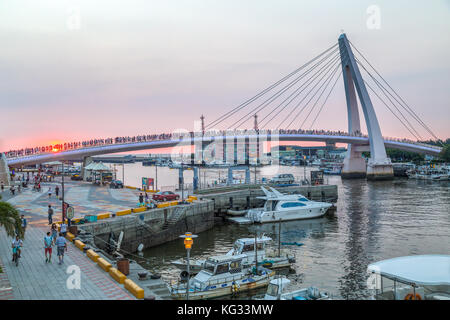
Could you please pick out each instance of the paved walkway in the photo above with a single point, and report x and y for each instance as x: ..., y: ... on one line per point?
x: 36, y: 279
x: 84, y: 197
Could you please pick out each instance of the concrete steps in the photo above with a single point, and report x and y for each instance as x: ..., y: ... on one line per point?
x: 174, y: 218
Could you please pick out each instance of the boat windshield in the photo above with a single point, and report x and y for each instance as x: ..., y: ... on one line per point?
x: 209, y: 267
x: 272, y: 290
x: 270, y: 205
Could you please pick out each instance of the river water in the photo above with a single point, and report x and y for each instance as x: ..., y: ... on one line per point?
x: 373, y: 221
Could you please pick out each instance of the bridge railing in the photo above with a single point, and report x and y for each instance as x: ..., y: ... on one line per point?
x: 14, y: 154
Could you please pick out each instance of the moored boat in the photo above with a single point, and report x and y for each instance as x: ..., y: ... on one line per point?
x: 266, y: 257
x: 277, y: 290
x: 222, y: 276
x: 283, y: 207
x: 419, y: 277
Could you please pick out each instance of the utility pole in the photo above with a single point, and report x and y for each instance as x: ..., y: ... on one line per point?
x: 256, y: 252
x: 123, y: 172
x: 156, y: 176
x: 202, y: 119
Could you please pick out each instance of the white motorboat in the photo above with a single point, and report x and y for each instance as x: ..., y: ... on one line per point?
x: 222, y: 276
x: 420, y: 277
x: 277, y: 290
x: 267, y: 257
x: 283, y: 207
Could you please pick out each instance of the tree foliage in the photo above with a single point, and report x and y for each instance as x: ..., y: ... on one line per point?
x: 445, y: 153
x: 10, y: 219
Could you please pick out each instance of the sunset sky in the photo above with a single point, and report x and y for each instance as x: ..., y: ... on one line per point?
x: 73, y: 70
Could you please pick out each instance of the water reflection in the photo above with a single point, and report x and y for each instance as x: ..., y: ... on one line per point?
x: 373, y: 221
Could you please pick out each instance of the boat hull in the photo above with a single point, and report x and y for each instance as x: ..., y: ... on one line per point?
x: 223, y: 291
x: 288, y: 215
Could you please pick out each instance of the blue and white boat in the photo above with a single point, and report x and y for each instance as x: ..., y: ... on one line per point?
x: 222, y: 276
x: 277, y: 290
x: 267, y: 257
x: 284, y: 207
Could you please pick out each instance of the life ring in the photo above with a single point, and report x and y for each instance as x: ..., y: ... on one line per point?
x: 410, y: 296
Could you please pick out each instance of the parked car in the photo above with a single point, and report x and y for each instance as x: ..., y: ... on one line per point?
x: 165, y: 196
x: 116, y: 184
x: 287, y: 178
x: 76, y: 177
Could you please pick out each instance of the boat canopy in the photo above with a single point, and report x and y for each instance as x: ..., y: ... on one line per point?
x: 431, y: 270
x: 252, y: 240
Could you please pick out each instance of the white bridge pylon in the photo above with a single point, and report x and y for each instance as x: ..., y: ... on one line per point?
x: 379, y: 166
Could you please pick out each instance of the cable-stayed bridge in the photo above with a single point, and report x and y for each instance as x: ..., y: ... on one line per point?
x: 285, y: 111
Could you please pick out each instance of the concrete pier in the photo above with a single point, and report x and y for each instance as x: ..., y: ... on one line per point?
x: 153, y: 227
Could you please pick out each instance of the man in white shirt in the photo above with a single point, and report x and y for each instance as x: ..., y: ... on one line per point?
x: 63, y: 228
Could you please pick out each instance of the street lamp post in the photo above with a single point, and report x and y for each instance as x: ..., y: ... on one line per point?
x: 62, y: 191
x: 188, y: 242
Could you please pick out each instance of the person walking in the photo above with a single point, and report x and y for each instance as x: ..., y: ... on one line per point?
x: 141, y: 199
x: 54, y: 232
x: 64, y: 228
x: 50, y: 214
x: 61, y: 246
x: 57, y: 191
x: 48, y: 242
x: 24, y: 223
x: 49, y: 192
x: 13, y: 190
x: 2, y: 186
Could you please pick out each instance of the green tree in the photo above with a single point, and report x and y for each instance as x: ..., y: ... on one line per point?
x: 445, y: 153
x: 10, y: 219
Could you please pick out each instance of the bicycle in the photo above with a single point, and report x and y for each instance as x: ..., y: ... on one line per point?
x: 16, y: 256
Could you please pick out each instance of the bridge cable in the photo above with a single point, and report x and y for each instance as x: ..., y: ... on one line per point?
x: 297, y: 93
x: 382, y: 89
x: 389, y: 108
x: 326, y: 99
x: 327, y: 81
x: 307, y: 103
x: 404, y: 105
x: 324, y: 89
x: 278, y: 94
x: 300, y: 102
x: 247, y: 102
x: 329, y: 68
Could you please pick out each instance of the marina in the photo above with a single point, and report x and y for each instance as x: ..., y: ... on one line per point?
x: 219, y: 158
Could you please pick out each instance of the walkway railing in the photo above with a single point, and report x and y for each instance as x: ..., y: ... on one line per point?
x: 11, y: 154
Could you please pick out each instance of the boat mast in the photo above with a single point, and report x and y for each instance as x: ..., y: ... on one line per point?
x: 279, y: 238
x: 256, y: 252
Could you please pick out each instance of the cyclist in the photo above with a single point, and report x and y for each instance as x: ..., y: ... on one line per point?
x: 16, y: 246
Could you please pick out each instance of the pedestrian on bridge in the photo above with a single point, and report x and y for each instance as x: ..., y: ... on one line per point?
x: 49, y: 192
x: 57, y: 191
